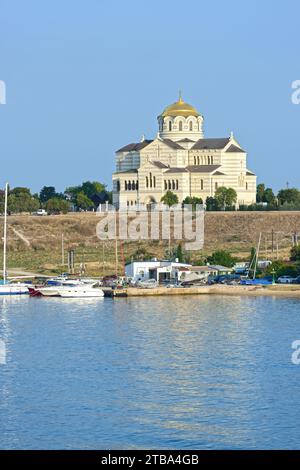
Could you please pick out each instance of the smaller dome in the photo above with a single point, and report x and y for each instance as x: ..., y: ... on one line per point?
x: 180, y: 108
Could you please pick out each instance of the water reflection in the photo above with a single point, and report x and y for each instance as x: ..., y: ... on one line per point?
x: 190, y: 372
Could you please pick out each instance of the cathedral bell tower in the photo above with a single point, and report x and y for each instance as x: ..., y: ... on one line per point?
x: 180, y: 121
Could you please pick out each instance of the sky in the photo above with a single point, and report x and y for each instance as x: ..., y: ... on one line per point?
x: 85, y: 77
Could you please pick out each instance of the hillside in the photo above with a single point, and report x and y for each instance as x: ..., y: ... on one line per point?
x: 35, y: 242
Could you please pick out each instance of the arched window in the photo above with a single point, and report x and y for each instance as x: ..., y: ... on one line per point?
x: 126, y: 187
x: 211, y: 160
x: 150, y: 179
x: 177, y: 185
x: 133, y: 185
x: 137, y: 185
x: 191, y: 126
x: 166, y: 185
x: 246, y: 186
x: 129, y: 185
x: 147, y: 182
x: 201, y: 184
x: 173, y: 184
x: 180, y: 126
x: 169, y: 184
x: 170, y: 126
x: 198, y: 160
x: 154, y: 182
x: 208, y: 158
x: 118, y: 185
x: 195, y: 161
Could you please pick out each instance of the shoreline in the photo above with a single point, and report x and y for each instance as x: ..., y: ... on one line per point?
x: 255, y: 291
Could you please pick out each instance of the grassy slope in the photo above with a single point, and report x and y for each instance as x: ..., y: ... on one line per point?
x: 35, y: 242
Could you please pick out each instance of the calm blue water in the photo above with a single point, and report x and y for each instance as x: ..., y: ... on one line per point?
x: 182, y: 372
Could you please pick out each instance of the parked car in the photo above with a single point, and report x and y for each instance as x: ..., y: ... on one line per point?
x: 285, y: 280
x: 40, y: 212
x: 296, y: 280
x: 148, y: 284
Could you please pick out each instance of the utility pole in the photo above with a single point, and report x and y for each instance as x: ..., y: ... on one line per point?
x: 116, y: 256
x: 62, y: 250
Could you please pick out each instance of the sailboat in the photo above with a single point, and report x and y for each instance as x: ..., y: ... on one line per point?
x: 6, y: 288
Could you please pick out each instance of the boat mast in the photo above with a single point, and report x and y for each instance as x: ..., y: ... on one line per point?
x: 257, y: 255
x: 5, y: 234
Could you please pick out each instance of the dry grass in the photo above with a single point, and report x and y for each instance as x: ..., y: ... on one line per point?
x: 236, y: 232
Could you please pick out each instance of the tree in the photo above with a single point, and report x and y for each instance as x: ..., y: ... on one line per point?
x: 225, y: 197
x: 289, y: 196
x: 295, y: 253
x: 95, y: 191
x: 222, y: 258
x: 170, y: 199
x: 193, y: 201
x: 179, y: 253
x: 260, y: 192
x: 20, y: 191
x: 269, y: 196
x: 21, y: 201
x: 211, y: 204
x: 57, y: 206
x: 83, y: 202
x: 46, y: 193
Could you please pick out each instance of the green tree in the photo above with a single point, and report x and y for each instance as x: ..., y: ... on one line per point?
x: 222, y: 258
x: 260, y: 192
x: 289, y: 196
x: 170, y: 199
x: 20, y: 191
x: 193, y: 201
x: 19, y: 201
x: 211, y: 204
x: 57, y: 205
x: 225, y: 197
x: 295, y: 253
x: 83, y: 202
x: 269, y: 196
x: 179, y: 253
x: 46, y: 193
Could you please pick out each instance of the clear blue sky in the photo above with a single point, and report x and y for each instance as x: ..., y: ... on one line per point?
x: 85, y: 77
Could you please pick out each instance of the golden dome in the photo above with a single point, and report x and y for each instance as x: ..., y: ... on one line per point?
x: 180, y: 108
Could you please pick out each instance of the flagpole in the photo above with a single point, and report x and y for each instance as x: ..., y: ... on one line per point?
x: 5, y: 235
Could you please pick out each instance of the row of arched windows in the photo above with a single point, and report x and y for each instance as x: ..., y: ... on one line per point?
x: 203, y: 160
x: 131, y: 203
x: 171, y: 184
x: 131, y: 185
x: 180, y: 126
x: 150, y: 181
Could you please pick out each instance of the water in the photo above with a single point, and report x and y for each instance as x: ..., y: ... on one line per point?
x: 182, y: 372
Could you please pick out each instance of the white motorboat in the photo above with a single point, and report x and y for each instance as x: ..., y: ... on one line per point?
x: 81, y: 291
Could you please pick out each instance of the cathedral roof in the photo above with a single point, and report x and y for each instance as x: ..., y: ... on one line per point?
x: 172, y: 144
x: 211, y: 144
x: 180, y: 108
x: 203, y: 168
x: 234, y: 149
x: 135, y: 147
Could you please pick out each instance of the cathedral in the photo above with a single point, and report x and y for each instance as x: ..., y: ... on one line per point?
x: 180, y: 159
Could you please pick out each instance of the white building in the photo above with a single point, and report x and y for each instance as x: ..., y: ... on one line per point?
x: 181, y: 160
x: 158, y: 270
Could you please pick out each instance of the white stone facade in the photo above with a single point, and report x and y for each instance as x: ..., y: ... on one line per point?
x: 181, y: 160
